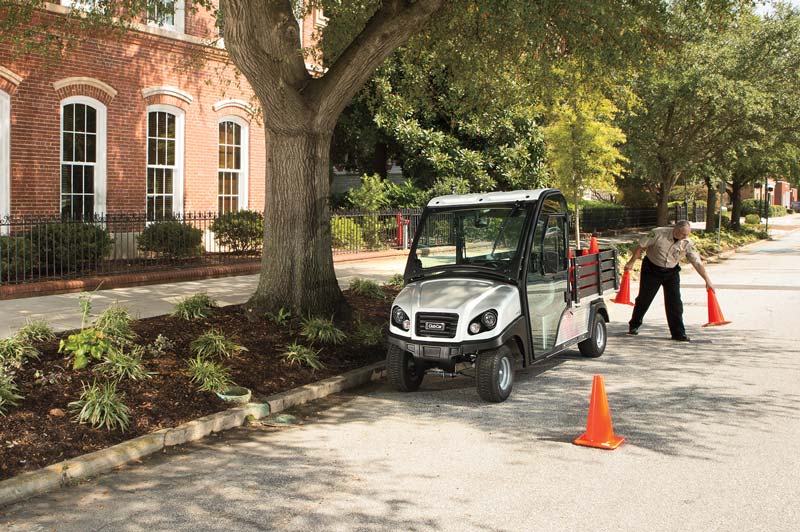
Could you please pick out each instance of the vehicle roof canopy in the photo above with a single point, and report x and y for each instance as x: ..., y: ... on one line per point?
x: 488, y: 198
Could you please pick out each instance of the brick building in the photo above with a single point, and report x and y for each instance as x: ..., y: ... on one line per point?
x: 132, y: 124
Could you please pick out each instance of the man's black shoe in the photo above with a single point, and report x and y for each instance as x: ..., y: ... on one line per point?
x: 683, y: 338
x: 633, y: 331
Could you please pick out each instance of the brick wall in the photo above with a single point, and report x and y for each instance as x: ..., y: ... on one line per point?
x: 138, y: 61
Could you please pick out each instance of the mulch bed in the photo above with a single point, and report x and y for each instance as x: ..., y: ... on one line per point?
x: 41, y: 430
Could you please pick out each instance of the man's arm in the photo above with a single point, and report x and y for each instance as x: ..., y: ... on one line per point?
x: 636, y: 254
x: 699, y: 268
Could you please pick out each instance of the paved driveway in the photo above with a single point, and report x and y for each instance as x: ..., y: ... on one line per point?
x: 711, y: 426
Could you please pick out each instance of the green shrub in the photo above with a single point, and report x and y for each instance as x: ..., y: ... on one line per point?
x: 375, y: 230
x: 371, y: 195
x: 9, y: 393
x: 86, y: 345
x: 406, y: 196
x: 115, y: 324
x: 18, y: 258
x: 121, y: 365
x: 171, y: 239
x: 213, y: 343
x: 160, y: 346
x: 100, y: 405
x: 752, y: 219
x: 299, y: 354
x: 193, y: 307
x: 281, y: 318
x: 368, y: 334
x: 68, y: 246
x: 346, y: 234
x: 367, y: 288
x: 322, y: 330
x: 776, y: 211
x: 240, y: 232
x: 36, y: 331
x: 752, y: 206
x: 16, y: 350
x: 210, y: 376
x: 396, y: 281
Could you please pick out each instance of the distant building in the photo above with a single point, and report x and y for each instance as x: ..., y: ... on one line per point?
x: 782, y: 194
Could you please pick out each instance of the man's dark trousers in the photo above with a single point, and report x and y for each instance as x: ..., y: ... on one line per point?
x: 653, y: 278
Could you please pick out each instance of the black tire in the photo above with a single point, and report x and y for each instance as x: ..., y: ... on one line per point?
x: 405, y: 375
x: 495, y: 374
x: 595, y: 345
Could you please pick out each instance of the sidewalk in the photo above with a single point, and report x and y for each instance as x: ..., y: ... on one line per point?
x: 62, y: 313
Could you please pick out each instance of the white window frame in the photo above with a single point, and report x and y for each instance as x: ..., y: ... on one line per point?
x: 5, y: 155
x: 245, y: 156
x: 83, y: 5
x: 100, y: 149
x: 179, y: 19
x: 177, y: 173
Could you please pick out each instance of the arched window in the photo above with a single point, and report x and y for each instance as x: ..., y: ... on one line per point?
x: 232, y: 172
x: 164, y: 161
x: 5, y: 154
x: 83, y: 157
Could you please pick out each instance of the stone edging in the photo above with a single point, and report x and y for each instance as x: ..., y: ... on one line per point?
x: 89, y: 465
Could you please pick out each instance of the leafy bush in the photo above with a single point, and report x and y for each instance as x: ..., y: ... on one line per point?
x: 171, y: 239
x: 375, y: 230
x: 192, y: 307
x: 67, y: 246
x: 101, y: 405
x: 752, y: 206
x: 210, y: 376
x: 9, y: 393
x: 299, y: 354
x: 406, y: 196
x: 36, y: 331
x: 752, y: 219
x: 396, y: 281
x: 86, y: 345
x: 281, y: 318
x: 18, y: 258
x: 776, y: 211
x: 240, y: 232
x: 371, y: 195
x: 121, y: 365
x: 213, y: 343
x: 16, y: 350
x: 115, y: 324
x: 160, y: 346
x: 346, y: 234
x: 368, y: 334
x: 319, y: 329
x: 367, y: 288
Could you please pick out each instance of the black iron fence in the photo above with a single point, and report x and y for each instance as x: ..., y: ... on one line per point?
x: 37, y: 248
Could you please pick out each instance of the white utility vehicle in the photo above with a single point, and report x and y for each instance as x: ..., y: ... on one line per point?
x: 490, y: 285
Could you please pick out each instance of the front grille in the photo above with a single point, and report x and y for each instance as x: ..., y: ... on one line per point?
x: 436, y: 324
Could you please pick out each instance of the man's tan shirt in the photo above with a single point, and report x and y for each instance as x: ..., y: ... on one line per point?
x: 664, y: 251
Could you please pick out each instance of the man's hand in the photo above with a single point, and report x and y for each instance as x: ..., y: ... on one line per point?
x: 710, y: 286
x: 629, y: 265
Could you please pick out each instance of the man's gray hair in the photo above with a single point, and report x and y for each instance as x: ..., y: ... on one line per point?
x: 680, y: 224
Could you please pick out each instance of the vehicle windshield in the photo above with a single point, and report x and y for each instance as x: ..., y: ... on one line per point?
x: 487, y: 237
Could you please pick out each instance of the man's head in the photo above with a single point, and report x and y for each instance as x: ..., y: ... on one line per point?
x: 682, y: 230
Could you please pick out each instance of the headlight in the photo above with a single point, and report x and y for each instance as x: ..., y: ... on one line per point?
x: 400, y: 318
x: 484, y: 322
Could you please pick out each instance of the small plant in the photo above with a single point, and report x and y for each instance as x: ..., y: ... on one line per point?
x: 210, y: 376
x: 193, y: 307
x: 171, y: 239
x: 9, y: 393
x: 240, y: 231
x: 16, y: 350
x: 396, y: 281
x: 368, y: 288
x: 368, y: 334
x: 86, y: 345
x: 280, y: 319
x: 85, y: 303
x: 160, y: 346
x: 322, y: 330
x: 752, y: 219
x: 36, y: 331
x: 213, y: 343
x: 115, y: 324
x: 121, y: 365
x: 100, y: 405
x: 299, y: 354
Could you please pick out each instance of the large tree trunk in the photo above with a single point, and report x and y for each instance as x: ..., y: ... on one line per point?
x: 736, y: 207
x: 297, y: 264
x: 711, y: 206
x: 662, y: 211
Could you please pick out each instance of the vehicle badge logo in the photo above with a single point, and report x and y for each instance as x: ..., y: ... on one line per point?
x: 434, y: 326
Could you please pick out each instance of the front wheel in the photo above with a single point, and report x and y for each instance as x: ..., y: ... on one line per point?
x: 495, y: 375
x: 596, y: 343
x: 405, y: 375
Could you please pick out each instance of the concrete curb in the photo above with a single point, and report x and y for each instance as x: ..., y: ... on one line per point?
x: 89, y: 465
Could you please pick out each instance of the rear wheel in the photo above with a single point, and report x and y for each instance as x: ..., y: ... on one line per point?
x: 495, y: 374
x: 405, y: 375
x: 596, y: 343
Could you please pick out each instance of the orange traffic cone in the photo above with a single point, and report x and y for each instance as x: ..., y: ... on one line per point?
x: 593, y: 247
x: 715, y: 316
x: 624, y: 294
x: 599, y: 432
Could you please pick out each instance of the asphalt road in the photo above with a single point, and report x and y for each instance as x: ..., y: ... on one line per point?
x: 711, y: 426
